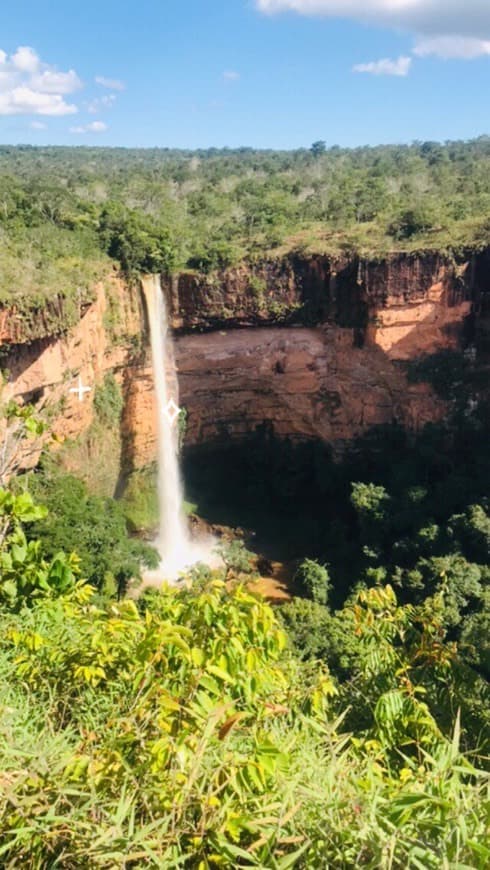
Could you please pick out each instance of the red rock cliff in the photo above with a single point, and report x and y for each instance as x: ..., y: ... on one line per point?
x: 43, y: 370
x: 314, y: 347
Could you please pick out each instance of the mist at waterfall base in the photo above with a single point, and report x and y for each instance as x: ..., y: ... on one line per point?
x: 178, y: 550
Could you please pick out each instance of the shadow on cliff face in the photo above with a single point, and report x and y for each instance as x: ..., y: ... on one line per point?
x: 272, y: 489
x: 294, y: 501
x: 340, y: 379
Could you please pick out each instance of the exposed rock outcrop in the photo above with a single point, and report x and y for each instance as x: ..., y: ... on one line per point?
x: 44, y: 371
x: 332, y: 379
x: 312, y: 289
x: 303, y: 382
x: 311, y: 347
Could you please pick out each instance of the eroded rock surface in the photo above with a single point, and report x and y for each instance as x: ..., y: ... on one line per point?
x: 303, y: 382
x: 310, y: 347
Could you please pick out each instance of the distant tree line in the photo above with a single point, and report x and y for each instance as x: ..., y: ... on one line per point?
x: 64, y: 212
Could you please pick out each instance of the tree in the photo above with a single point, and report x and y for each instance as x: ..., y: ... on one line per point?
x: 26, y: 572
x: 411, y: 221
x: 314, y: 580
x: 236, y: 558
x: 94, y: 527
x: 472, y: 531
x: 20, y: 430
x: 139, y: 243
x: 372, y: 504
x: 318, y: 148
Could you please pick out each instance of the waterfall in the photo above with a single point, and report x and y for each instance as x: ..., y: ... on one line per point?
x: 177, y: 550
x: 173, y: 543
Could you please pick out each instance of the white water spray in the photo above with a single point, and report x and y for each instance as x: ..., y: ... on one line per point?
x: 177, y: 550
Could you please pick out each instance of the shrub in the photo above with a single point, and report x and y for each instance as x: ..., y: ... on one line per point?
x: 183, y: 734
x: 314, y: 580
x: 108, y: 401
x: 94, y: 527
x: 140, y: 500
x: 315, y: 633
x: 411, y: 221
x: 26, y: 572
x: 236, y: 558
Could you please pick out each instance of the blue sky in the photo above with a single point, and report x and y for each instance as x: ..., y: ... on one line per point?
x: 265, y: 73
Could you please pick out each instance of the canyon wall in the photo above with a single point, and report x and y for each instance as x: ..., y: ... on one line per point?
x: 310, y: 347
x: 333, y: 352
x: 106, y: 339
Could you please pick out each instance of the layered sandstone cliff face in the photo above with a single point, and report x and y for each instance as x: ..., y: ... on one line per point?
x: 314, y: 349
x: 306, y: 346
x: 308, y: 290
x: 44, y: 370
x: 303, y: 382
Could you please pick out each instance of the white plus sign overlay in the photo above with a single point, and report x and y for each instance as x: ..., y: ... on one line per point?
x: 80, y: 390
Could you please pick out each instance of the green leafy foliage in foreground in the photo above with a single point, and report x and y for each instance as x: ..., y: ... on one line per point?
x: 189, y: 729
x: 181, y: 731
x: 25, y: 571
x: 92, y: 526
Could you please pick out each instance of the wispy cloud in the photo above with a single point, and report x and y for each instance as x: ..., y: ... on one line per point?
x: 93, y: 127
x: 53, y: 82
x: 231, y: 75
x: 29, y: 86
x: 447, y: 47
x: 385, y: 67
x: 110, y: 84
x: 100, y: 104
x: 37, y: 125
x: 24, y: 101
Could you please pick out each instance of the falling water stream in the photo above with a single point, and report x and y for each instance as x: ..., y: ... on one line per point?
x: 177, y: 549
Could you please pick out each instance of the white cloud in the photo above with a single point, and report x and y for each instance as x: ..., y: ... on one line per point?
x: 101, y: 103
x: 28, y: 86
x: 110, y: 84
x: 24, y: 101
x: 37, y: 125
x: 231, y: 75
x: 93, y: 127
x: 8, y: 78
x: 25, y: 59
x: 53, y: 82
x: 385, y: 67
x: 462, y: 47
x: 425, y: 18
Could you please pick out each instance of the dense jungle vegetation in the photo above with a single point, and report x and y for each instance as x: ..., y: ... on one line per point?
x: 198, y: 727
x: 66, y: 213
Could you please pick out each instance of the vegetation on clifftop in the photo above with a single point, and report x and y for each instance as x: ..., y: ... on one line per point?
x: 66, y: 213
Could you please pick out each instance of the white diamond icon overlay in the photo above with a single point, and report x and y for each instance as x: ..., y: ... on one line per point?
x: 171, y: 411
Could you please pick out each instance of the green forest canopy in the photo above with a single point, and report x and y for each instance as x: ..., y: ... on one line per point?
x: 65, y: 213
